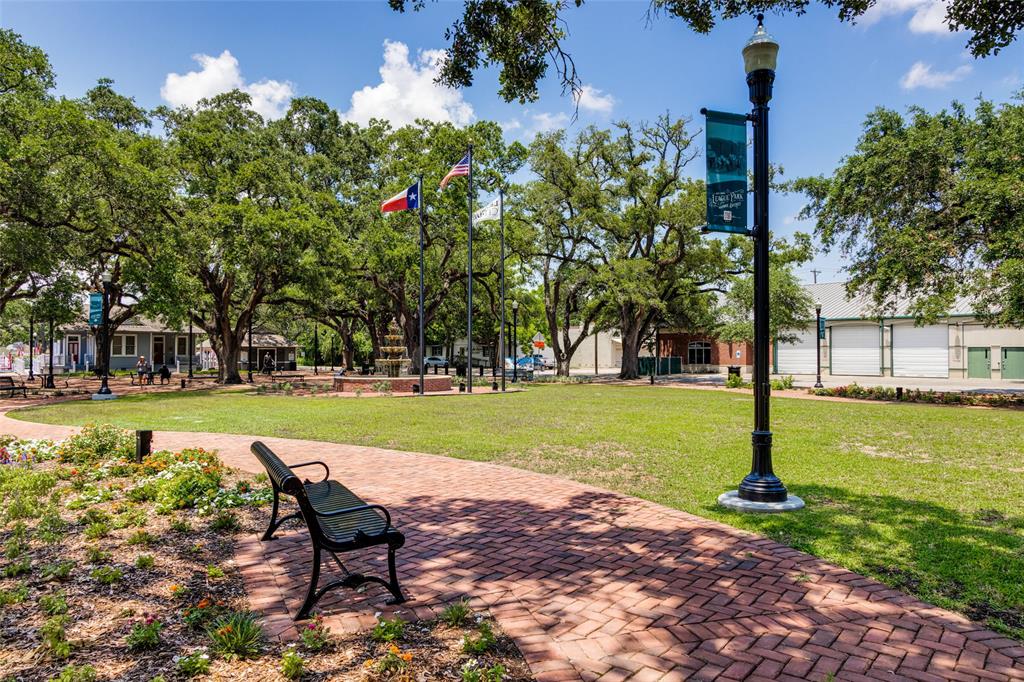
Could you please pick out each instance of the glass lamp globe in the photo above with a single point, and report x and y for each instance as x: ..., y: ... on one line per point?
x: 761, y: 51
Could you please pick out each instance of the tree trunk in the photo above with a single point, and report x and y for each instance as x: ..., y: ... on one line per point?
x: 630, y: 351
x: 229, y: 358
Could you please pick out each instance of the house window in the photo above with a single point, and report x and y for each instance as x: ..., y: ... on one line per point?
x: 123, y: 345
x: 698, y: 353
x: 181, y: 346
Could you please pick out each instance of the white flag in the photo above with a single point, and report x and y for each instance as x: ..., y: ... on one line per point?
x: 488, y: 212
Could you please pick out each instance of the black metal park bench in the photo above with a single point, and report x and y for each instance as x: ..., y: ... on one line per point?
x: 8, y: 386
x: 338, y: 521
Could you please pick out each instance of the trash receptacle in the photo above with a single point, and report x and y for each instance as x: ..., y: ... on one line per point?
x: 734, y: 370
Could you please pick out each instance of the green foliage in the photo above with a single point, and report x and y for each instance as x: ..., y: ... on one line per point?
x: 456, y: 613
x: 292, y: 664
x: 194, y: 664
x: 59, y: 570
x: 472, y: 671
x: 736, y: 381
x: 237, y: 635
x: 144, y: 562
x: 144, y: 634
x: 225, y: 522
x: 214, y: 572
x: 315, y: 636
x: 141, y: 537
x: 783, y: 384
x: 53, y: 604
x: 97, y: 530
x: 94, y: 444
x: 15, y: 595
x: 388, y: 630
x: 76, y: 673
x: 51, y: 527
x: 54, y: 637
x: 181, y: 526
x: 483, y: 641
x: 106, y: 575
x: 204, y: 612
x: 17, y: 567
x: 96, y: 555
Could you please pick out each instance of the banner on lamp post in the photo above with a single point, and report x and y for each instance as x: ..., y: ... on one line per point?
x: 95, y: 309
x: 726, y: 172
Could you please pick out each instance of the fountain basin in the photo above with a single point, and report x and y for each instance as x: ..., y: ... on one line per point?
x: 402, y: 384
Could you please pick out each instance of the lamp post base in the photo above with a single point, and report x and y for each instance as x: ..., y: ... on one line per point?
x: 104, y: 396
x: 732, y: 500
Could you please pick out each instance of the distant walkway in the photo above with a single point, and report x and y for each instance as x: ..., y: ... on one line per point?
x: 594, y: 585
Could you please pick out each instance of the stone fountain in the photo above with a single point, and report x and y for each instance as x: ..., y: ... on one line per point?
x: 393, y: 362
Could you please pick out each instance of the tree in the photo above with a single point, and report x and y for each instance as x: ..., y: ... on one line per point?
x: 245, y: 226
x: 525, y: 37
x: 930, y: 207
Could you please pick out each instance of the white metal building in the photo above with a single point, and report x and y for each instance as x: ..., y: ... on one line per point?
x: 857, y: 344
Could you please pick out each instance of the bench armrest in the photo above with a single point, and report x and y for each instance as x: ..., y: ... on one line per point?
x: 327, y: 472
x: 362, y: 507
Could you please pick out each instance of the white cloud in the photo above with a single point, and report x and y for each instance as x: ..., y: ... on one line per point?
x: 407, y: 91
x: 929, y: 16
x: 220, y: 74
x: 592, y: 99
x: 545, y: 122
x: 922, y: 75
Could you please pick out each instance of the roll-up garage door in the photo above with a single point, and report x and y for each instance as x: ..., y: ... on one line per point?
x: 920, y: 351
x: 797, y: 357
x: 856, y: 350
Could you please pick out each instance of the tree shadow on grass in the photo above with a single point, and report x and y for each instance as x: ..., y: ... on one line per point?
x: 973, y: 564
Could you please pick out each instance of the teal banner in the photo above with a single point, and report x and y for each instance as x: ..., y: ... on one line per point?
x: 727, y: 172
x: 95, y: 309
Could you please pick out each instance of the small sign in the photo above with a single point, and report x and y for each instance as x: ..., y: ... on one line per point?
x: 95, y: 309
x: 821, y: 328
x: 726, y: 172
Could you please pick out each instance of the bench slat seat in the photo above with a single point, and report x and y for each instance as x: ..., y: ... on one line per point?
x: 337, y: 520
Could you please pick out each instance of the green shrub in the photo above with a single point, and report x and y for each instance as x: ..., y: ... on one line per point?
x: 15, y: 595
x: 141, y: 537
x: 206, y: 611
x: 51, y: 526
x: 735, y: 381
x: 106, y: 575
x: 144, y: 634
x: 472, y: 672
x: 456, y: 613
x: 15, y: 547
x: 53, y: 604
x: 225, y: 522
x: 388, y: 630
x: 18, y: 567
x: 95, y: 531
x: 292, y: 665
x: 235, y: 636
x: 58, y: 570
x: 181, y: 526
x: 54, y: 638
x: 193, y: 664
x: 95, y: 555
x: 184, y: 485
x: 76, y: 673
x: 214, y: 572
x: 482, y: 642
x: 134, y: 518
x: 144, y: 492
x: 316, y: 635
x: 95, y: 444
x: 144, y: 561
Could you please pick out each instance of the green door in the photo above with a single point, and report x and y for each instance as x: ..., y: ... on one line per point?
x: 979, y: 363
x: 1013, y: 363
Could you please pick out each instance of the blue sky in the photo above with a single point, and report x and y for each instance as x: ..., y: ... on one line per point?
x: 829, y: 75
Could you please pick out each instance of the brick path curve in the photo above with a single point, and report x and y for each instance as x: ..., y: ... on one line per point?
x: 594, y: 585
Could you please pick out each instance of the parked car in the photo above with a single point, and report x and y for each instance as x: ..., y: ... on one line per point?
x: 434, y: 361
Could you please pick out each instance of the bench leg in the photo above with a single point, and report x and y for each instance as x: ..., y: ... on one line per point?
x: 275, y: 522
x: 312, y: 596
x: 393, y: 587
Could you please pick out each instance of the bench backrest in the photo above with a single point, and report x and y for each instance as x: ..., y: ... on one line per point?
x: 280, y: 473
x: 6, y: 382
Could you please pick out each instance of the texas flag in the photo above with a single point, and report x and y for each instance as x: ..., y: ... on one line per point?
x: 406, y: 200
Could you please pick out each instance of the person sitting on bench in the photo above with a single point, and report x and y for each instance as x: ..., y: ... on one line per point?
x: 165, y: 375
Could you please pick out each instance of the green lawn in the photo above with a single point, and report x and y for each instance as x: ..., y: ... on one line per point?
x: 926, y: 498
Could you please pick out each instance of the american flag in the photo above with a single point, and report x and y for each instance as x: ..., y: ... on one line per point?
x: 461, y: 168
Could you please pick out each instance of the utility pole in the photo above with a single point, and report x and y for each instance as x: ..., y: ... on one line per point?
x: 815, y: 273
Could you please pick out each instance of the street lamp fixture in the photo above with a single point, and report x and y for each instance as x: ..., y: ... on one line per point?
x: 105, y: 393
x: 761, y: 485
x: 515, y: 341
x: 817, y: 341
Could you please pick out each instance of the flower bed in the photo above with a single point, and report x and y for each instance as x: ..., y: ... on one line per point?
x: 117, y: 570
x: 913, y: 395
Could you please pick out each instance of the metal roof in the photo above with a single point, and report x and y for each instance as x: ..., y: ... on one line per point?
x: 836, y: 304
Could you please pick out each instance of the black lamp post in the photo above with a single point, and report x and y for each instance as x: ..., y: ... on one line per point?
x: 817, y: 341
x: 759, y: 58
x: 249, y: 351
x: 191, y: 346
x: 49, y: 377
x: 332, y: 354
x: 316, y: 348
x: 104, y: 350
x: 515, y: 341
x: 31, y: 342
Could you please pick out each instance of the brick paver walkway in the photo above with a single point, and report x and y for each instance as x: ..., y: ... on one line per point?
x: 595, y: 585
